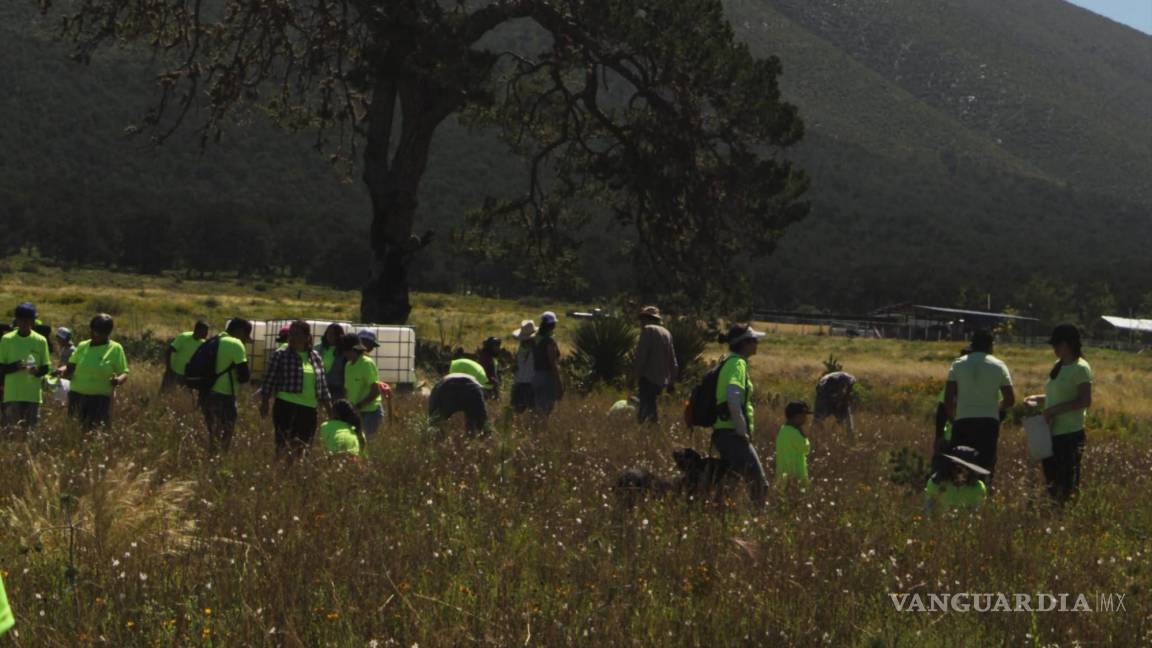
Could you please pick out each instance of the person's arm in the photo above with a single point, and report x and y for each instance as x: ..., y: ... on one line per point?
x: 243, y: 372
x: 119, y: 367
x: 951, y: 392
x: 736, y: 409
x: 69, y: 371
x: 554, y: 363
x: 1007, y: 397
x: 373, y: 392
x: 641, y: 359
x: 168, y: 354
x: 1083, y: 401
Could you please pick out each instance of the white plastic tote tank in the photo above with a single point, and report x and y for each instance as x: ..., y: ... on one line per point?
x: 395, y: 358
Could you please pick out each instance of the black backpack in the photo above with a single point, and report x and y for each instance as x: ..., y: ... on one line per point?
x: 701, y: 410
x: 200, y: 372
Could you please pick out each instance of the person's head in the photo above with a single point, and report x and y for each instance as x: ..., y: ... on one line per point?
x: 650, y: 315
x: 350, y: 347
x: 282, y: 334
x: 1065, y: 341
x: 964, y: 465
x: 368, y: 340
x: 548, y: 322
x: 64, y: 336
x: 25, y: 318
x: 342, y: 410
x: 300, y: 335
x: 332, y: 334
x: 200, y: 330
x: 742, y: 339
x: 491, y: 345
x: 797, y: 413
x: 526, y: 333
x: 982, y: 341
x: 101, y: 327
x: 240, y: 329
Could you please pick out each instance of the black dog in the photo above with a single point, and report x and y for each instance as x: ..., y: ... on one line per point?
x: 699, y: 476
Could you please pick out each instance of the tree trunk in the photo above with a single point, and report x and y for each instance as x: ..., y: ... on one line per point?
x: 393, y: 185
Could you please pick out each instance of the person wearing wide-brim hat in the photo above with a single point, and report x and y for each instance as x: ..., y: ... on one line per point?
x: 522, y: 393
x: 959, y: 483
x: 1065, y: 402
x: 655, y: 368
x: 735, y: 414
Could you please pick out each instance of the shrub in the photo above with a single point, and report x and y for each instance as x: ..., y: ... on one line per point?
x: 211, y: 302
x: 602, y: 350
x: 690, y: 340
x: 145, y: 347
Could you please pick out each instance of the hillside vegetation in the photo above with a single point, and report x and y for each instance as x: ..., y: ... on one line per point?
x: 956, y: 149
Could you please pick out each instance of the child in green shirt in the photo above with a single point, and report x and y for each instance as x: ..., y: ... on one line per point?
x: 342, y: 434
x: 792, y: 446
x: 958, y: 485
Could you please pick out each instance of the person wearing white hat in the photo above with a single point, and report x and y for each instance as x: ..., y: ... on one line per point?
x: 547, y: 388
x: 959, y: 484
x: 522, y: 398
x: 736, y: 416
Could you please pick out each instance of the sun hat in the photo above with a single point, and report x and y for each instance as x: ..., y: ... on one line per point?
x: 651, y: 312
x: 526, y: 332
x: 738, y: 333
x: 967, y: 456
x: 368, y: 338
x: 547, y: 318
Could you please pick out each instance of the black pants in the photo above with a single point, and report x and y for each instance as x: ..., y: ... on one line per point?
x: 91, y: 411
x: 1062, y: 469
x: 982, y: 434
x: 220, y: 418
x: 649, y: 392
x: 522, y: 397
x: 459, y: 395
x: 295, y: 427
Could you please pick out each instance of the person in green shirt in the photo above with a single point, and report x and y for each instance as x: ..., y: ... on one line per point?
x: 179, y: 352
x: 462, y: 390
x: 341, y: 434
x: 329, y: 350
x: 792, y: 445
x: 959, y: 484
x: 362, y: 380
x: 736, y: 416
x: 295, y: 376
x: 1065, y: 403
x: 219, y: 403
x: 96, y: 369
x: 24, y: 361
x: 7, y: 620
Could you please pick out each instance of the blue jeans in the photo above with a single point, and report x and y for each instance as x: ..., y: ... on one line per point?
x: 370, y: 422
x: 742, y: 459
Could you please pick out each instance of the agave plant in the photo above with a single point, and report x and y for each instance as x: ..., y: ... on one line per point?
x: 602, y: 350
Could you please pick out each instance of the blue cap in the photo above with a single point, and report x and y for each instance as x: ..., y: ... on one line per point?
x: 26, y: 310
x: 64, y: 333
x: 367, y: 338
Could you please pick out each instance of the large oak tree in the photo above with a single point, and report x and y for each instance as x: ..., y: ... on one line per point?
x: 648, y: 111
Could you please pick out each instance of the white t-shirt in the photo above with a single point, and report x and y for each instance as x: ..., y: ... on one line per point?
x: 525, y: 369
x: 978, y: 377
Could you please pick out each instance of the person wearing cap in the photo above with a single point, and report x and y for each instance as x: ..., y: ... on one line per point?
x: 295, y: 377
x: 978, y: 392
x: 64, y: 341
x: 735, y: 415
x: 792, y: 445
x: 834, y: 392
x: 329, y: 350
x: 24, y: 360
x: 95, y: 370
x: 522, y: 398
x: 958, y: 484
x: 488, y: 357
x: 462, y: 390
x: 179, y: 352
x: 655, y: 368
x: 362, y: 380
x: 1065, y: 402
x: 218, y: 404
x: 547, y: 387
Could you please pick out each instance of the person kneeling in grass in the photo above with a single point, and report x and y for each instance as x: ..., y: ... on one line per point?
x: 959, y: 485
x: 341, y: 434
x: 792, y: 446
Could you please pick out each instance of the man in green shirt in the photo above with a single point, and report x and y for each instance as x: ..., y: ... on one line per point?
x: 362, y: 380
x: 24, y: 361
x: 219, y: 403
x: 978, y: 392
x: 179, y: 352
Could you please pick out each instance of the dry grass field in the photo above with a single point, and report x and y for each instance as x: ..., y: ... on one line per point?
x: 135, y: 537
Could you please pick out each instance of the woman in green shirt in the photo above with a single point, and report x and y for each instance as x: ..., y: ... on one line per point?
x: 341, y: 434
x: 96, y: 368
x: 735, y: 415
x: 295, y: 377
x: 959, y: 483
x: 1065, y: 403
